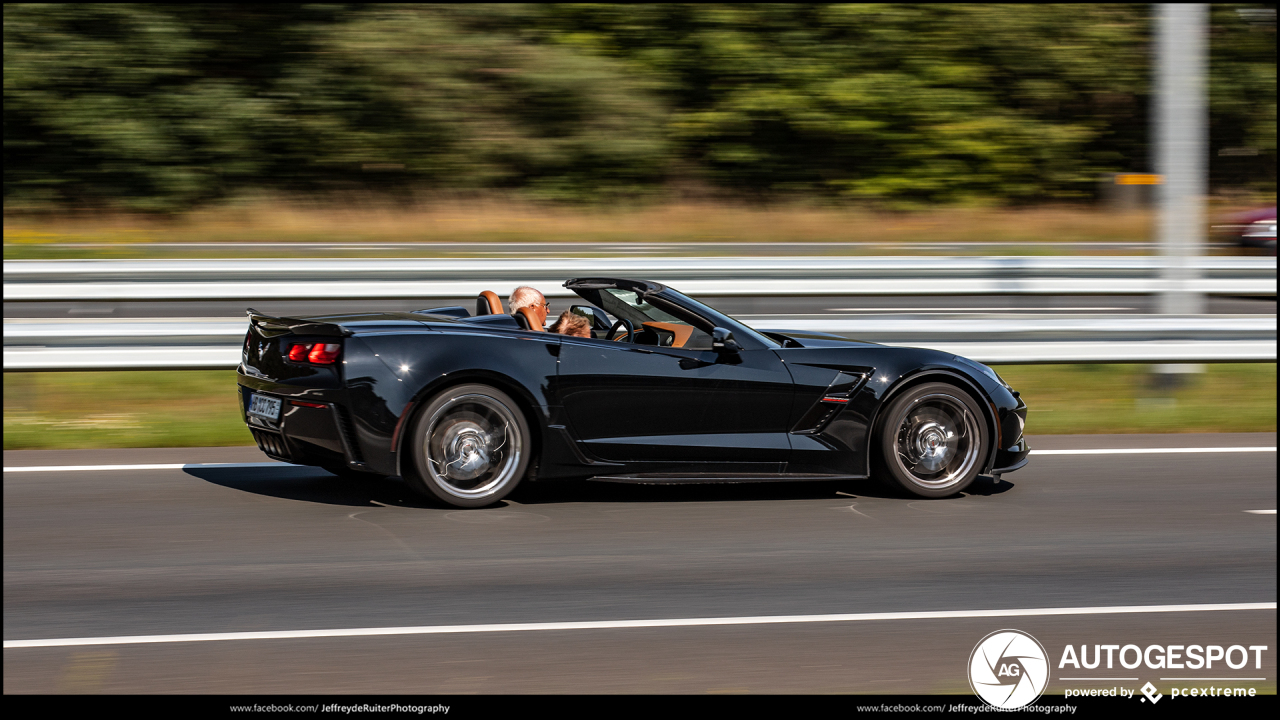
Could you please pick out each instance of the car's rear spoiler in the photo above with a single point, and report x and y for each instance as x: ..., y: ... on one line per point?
x: 297, y: 326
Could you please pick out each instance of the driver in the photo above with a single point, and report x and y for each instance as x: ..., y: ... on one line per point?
x: 525, y: 296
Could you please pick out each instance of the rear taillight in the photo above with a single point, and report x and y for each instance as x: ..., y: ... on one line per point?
x: 324, y: 353
x: 316, y: 353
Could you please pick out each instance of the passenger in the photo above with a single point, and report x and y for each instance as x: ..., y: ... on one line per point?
x: 525, y: 296
x: 571, y: 324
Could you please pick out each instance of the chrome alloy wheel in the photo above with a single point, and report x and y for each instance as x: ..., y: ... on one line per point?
x: 473, y: 448
x: 938, y: 441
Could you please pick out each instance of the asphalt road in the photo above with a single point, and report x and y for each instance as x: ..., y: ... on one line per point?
x: 208, y: 550
x: 746, y: 307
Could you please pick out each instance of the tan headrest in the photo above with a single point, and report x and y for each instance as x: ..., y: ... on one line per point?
x: 531, y: 318
x: 488, y: 303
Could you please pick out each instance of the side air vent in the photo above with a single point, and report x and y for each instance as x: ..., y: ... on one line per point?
x: 348, y: 434
x: 844, y: 385
x: 837, y: 395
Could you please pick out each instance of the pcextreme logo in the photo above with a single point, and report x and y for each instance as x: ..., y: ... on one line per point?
x: 1008, y: 669
x: 1172, y: 661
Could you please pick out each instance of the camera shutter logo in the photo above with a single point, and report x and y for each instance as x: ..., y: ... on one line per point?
x: 1008, y: 669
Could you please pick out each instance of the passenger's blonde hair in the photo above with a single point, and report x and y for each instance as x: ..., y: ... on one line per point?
x: 571, y: 323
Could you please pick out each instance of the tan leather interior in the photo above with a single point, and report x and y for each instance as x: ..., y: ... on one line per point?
x: 488, y: 303
x: 530, y: 317
x: 682, y: 333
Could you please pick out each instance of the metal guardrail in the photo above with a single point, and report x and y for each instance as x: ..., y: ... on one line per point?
x: 701, y: 266
x: 879, y: 328
x: 124, y: 280
x: 212, y: 342
x: 42, y: 344
x: 223, y: 357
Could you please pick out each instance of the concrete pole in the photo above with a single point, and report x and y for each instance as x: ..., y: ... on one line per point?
x: 1181, y: 150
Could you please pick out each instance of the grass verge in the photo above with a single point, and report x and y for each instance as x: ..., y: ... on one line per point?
x: 60, y: 410
x: 1095, y: 399
x: 198, y: 408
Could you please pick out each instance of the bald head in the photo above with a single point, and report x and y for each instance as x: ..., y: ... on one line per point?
x: 525, y: 296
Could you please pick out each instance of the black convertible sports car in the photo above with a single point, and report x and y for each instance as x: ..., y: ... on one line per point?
x: 667, y: 390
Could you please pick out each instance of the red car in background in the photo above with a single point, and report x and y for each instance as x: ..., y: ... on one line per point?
x: 1253, y: 229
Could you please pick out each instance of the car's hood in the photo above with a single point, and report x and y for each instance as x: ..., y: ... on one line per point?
x: 809, y: 338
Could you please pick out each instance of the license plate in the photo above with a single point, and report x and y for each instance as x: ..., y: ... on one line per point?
x: 264, y: 407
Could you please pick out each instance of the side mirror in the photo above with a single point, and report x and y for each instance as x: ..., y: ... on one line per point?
x: 597, y: 322
x: 722, y: 341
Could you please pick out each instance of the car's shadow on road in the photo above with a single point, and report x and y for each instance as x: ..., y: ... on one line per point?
x: 600, y: 491
x: 307, y: 484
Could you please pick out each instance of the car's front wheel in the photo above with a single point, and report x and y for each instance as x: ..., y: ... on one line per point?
x: 932, y: 440
x: 469, y: 446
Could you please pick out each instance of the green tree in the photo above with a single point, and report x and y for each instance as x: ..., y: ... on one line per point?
x: 460, y: 100
x: 891, y: 102
x: 1242, y: 96
x: 164, y: 107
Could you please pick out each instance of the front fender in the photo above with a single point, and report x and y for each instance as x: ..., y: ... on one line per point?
x: 935, y: 366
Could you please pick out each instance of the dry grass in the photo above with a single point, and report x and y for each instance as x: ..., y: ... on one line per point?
x: 514, y: 221
x: 472, y: 224
x: 671, y: 223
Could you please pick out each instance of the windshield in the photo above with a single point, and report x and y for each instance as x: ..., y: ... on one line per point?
x: 641, y: 310
x: 739, y: 330
x: 664, y: 307
x: 638, y: 305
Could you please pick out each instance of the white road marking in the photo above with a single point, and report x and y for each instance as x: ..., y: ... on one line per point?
x: 622, y: 624
x: 160, y: 466
x: 1261, y: 512
x: 1152, y: 451
x: 192, y: 466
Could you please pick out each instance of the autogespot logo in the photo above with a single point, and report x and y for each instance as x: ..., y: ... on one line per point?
x: 1008, y: 669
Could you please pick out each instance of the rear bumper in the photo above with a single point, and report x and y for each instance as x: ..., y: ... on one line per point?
x: 303, y: 434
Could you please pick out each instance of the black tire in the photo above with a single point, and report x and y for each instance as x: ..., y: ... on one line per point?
x: 931, y: 441
x: 469, y: 447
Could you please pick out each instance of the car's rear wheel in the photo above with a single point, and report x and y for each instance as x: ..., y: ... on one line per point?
x: 469, y: 446
x: 932, y: 440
